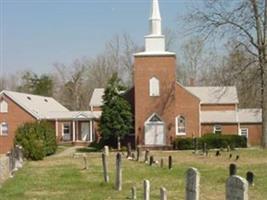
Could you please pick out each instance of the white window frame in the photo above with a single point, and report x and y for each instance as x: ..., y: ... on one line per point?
x: 154, y: 87
x: 177, y: 128
x: 246, y: 130
x: 63, y: 129
x: 1, y: 129
x: 215, y: 128
x: 3, y: 106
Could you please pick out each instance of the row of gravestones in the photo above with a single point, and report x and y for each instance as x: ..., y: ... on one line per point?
x: 14, y: 161
x: 236, y: 186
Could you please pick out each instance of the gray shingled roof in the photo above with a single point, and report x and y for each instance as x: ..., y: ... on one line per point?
x: 96, y: 99
x: 215, y: 95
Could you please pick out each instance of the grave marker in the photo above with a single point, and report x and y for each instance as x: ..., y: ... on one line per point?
x: 163, y: 193
x: 236, y: 188
x: 232, y: 169
x: 192, y: 184
x: 105, y: 167
x: 146, y: 190
x: 118, y: 182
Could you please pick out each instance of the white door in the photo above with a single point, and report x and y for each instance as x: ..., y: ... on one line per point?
x: 85, y: 131
x: 154, y: 134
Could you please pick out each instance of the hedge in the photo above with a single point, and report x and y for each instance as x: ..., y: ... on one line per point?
x: 38, y: 140
x: 212, y: 140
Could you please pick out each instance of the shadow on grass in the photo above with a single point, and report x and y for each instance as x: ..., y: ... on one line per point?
x: 87, y: 150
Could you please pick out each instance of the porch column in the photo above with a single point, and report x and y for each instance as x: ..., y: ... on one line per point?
x: 91, y: 131
x: 56, y: 128
x: 73, y: 131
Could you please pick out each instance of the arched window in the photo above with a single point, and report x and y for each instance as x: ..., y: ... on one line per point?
x: 3, y: 106
x: 180, y: 125
x: 153, y: 87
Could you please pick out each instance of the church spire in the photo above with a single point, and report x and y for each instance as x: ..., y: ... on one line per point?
x: 155, y: 19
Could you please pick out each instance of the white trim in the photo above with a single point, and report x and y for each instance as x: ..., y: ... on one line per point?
x: 56, y: 128
x: 91, y: 131
x: 3, y: 106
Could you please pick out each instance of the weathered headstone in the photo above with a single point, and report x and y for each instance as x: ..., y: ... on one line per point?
x: 106, y: 150
x: 230, y: 156
x: 133, y: 155
x: 228, y: 148
x: 192, y: 184
x: 139, y: 152
x: 146, y: 190
x: 163, y: 193
x: 133, y: 190
x: 237, y: 158
x: 161, y: 162
x: 129, y: 149
x: 236, y: 188
x: 118, y: 182
x: 146, y: 155
x: 195, y: 145
x: 170, y: 162
x: 218, y: 153
x: 204, y: 148
x: 232, y: 169
x: 250, y: 178
x: 151, y: 160
x: 105, y: 167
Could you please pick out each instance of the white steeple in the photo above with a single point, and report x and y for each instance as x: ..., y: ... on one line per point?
x: 155, y: 41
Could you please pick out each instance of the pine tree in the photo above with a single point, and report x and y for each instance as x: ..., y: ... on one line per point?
x: 116, y: 119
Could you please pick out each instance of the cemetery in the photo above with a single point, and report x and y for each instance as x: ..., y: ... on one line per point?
x: 142, y: 174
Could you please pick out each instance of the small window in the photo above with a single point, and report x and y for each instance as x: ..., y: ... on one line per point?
x: 66, y: 129
x: 244, y: 132
x: 153, y: 87
x: 217, y: 129
x: 3, y: 106
x: 4, y: 129
x: 180, y: 125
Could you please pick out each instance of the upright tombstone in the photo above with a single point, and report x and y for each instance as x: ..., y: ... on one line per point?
x: 204, y: 148
x: 161, y: 162
x: 105, y: 167
x: 151, y: 160
x: 129, y: 150
x: 170, y: 162
x: 192, y: 184
x: 133, y: 155
x: 232, y: 169
x: 195, y: 145
x: 236, y: 188
x: 163, y: 193
x: 146, y: 155
x: 106, y: 150
x: 250, y: 178
x: 146, y: 190
x: 139, y: 152
x: 85, y: 162
x: 133, y: 190
x: 118, y: 182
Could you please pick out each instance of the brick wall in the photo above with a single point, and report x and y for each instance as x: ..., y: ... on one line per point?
x: 228, y: 129
x: 254, y: 133
x: 15, y: 117
x: 217, y: 107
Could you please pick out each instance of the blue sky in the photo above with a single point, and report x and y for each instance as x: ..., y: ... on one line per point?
x: 37, y: 33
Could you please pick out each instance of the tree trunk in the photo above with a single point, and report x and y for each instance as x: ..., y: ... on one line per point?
x: 119, y: 143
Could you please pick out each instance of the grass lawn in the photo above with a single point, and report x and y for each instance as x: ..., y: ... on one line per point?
x: 64, y: 177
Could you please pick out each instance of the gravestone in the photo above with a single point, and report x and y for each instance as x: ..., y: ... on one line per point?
x: 237, y: 158
x: 236, y: 188
x: 218, y: 153
x: 133, y: 155
x: 105, y: 167
x: 129, y: 149
x: 195, y: 145
x: 161, y: 162
x: 232, y: 169
x: 85, y: 162
x: 146, y: 190
x: 139, y: 152
x: 151, y: 160
x: 106, y: 150
x: 118, y: 182
x: 250, y: 178
x: 230, y: 156
x: 163, y: 193
x: 192, y: 184
x: 204, y: 148
x: 146, y: 155
x: 19, y: 157
x: 133, y: 190
x: 170, y: 162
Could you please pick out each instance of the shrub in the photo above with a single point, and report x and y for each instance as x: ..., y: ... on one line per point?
x: 212, y: 141
x: 37, y: 139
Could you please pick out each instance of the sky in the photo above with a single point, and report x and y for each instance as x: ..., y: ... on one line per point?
x: 35, y: 34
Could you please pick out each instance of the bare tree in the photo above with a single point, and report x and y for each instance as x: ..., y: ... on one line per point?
x: 242, y: 21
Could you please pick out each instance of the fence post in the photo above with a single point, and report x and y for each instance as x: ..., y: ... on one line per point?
x: 236, y: 188
x: 192, y: 184
x: 146, y: 190
x: 118, y: 182
x: 105, y: 167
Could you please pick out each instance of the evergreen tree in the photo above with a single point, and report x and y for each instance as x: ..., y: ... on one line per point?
x: 116, y: 119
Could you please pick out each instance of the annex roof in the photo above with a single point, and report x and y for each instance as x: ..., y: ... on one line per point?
x: 74, y: 115
x: 96, y: 99
x: 215, y: 95
x: 240, y: 116
x: 38, y: 106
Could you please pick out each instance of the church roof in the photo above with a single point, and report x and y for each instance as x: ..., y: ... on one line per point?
x: 215, y: 95
x: 96, y: 99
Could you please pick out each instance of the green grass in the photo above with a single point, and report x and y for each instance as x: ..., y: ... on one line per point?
x: 64, y: 177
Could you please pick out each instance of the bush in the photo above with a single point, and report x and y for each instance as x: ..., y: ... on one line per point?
x: 37, y: 139
x: 213, y: 141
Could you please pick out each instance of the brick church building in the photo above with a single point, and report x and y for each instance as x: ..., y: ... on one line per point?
x: 164, y: 109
